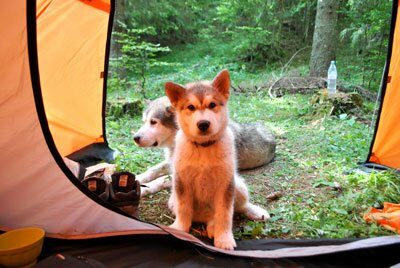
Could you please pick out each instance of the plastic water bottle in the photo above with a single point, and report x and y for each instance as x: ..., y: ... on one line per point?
x: 332, y: 78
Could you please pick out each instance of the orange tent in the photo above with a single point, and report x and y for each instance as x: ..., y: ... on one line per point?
x: 53, y: 72
x: 71, y: 45
x: 385, y: 146
x: 53, y: 57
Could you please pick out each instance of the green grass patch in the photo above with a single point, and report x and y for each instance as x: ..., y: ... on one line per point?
x: 313, y: 155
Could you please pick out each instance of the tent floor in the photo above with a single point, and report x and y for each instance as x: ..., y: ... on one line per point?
x: 167, y: 251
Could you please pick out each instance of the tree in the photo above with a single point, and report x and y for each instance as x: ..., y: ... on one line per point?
x: 325, y: 37
x: 137, y: 55
x: 365, y: 28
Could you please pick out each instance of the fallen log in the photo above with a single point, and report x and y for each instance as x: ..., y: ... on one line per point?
x: 303, y: 85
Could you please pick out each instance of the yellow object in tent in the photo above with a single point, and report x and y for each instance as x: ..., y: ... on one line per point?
x: 21, y: 247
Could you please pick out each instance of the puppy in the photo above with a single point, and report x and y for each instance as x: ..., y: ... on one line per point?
x: 206, y: 186
x: 254, y: 142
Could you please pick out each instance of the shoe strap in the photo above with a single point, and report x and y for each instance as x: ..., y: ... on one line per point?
x: 123, y: 180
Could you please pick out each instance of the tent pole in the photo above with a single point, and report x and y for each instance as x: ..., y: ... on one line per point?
x: 378, y: 99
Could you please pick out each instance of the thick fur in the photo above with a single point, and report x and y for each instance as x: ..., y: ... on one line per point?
x: 255, y: 144
x: 206, y: 186
x: 158, y: 130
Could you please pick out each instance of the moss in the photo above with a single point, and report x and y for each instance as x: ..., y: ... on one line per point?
x: 325, y: 104
x: 120, y: 107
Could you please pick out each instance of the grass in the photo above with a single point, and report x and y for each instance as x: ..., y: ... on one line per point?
x: 314, y: 154
x: 312, y: 157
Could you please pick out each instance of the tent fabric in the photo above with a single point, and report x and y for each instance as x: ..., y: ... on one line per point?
x: 385, y: 147
x: 36, y: 186
x: 293, y: 251
x: 71, y: 39
x: 388, y: 216
x: 166, y: 251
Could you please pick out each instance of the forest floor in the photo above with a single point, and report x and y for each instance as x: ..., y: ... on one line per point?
x: 314, y: 169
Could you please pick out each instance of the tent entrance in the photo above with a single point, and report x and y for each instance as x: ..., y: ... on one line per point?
x: 73, y: 83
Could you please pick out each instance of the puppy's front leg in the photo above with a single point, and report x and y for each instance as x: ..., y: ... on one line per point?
x: 183, y: 205
x: 156, y: 186
x: 153, y: 173
x: 223, y: 236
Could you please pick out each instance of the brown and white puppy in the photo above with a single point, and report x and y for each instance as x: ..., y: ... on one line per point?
x: 206, y: 186
x: 254, y: 142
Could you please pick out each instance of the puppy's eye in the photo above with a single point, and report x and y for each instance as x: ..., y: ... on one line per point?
x: 212, y: 105
x: 153, y: 122
x: 191, y: 107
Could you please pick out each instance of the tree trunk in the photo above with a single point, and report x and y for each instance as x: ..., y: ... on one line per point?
x: 120, y: 16
x: 325, y: 37
x: 120, y: 11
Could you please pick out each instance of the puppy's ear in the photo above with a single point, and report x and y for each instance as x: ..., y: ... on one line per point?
x: 174, y: 92
x: 222, y: 83
x: 169, y: 111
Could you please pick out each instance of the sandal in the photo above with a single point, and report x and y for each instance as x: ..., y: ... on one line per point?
x: 125, y: 192
x: 98, y: 185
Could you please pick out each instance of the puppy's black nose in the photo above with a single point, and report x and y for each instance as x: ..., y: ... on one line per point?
x: 136, y: 138
x: 203, y: 125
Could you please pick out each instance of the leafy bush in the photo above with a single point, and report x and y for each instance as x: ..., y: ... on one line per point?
x: 137, y: 56
x: 255, y: 45
x: 365, y: 28
x: 176, y: 22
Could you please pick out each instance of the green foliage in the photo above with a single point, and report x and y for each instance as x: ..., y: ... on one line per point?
x: 252, y: 36
x: 253, y: 28
x: 252, y: 229
x: 120, y: 107
x: 376, y: 188
x: 137, y: 55
x: 341, y: 214
x: 257, y: 30
x: 365, y: 28
x: 175, y: 22
x: 256, y: 46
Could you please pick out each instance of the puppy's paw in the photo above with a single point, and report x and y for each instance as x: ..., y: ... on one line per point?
x: 142, y: 178
x: 145, y: 190
x: 256, y: 213
x: 225, y: 241
x: 210, y: 230
x: 179, y: 226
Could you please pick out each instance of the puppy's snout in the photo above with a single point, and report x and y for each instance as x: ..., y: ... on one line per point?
x: 136, y: 138
x: 203, y: 125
